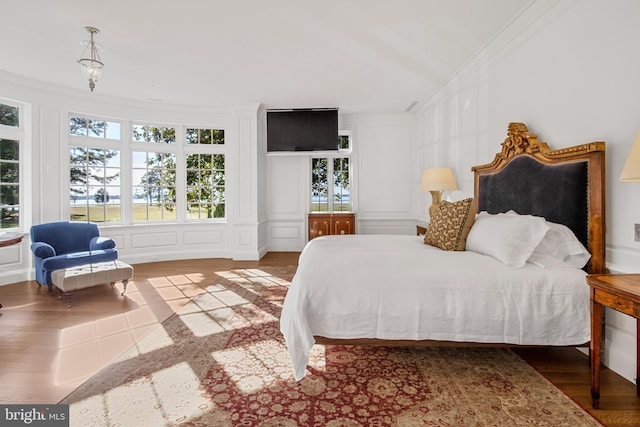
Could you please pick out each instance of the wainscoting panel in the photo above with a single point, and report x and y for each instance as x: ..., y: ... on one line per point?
x: 10, y: 255
x: 287, y: 235
x: 202, y: 237
x: 285, y: 232
x: 15, y: 262
x: 149, y: 240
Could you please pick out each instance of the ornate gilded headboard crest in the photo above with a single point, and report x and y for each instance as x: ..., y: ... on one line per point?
x: 519, y: 141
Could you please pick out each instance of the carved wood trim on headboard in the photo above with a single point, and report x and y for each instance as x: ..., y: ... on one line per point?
x: 521, y: 142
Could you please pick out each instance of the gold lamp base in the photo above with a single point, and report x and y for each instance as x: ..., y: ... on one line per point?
x: 436, y: 198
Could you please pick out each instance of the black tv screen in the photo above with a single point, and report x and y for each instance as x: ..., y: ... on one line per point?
x: 302, y: 130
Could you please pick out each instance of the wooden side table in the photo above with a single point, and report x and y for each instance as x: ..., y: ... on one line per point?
x: 622, y: 293
x: 421, y: 230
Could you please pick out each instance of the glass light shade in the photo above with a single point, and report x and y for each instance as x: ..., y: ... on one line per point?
x: 437, y: 179
x: 631, y: 169
x: 91, y: 69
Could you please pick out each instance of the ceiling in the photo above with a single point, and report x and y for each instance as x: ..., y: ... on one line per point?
x: 358, y: 55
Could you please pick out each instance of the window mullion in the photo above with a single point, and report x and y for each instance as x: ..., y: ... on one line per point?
x: 181, y: 175
x: 330, y: 183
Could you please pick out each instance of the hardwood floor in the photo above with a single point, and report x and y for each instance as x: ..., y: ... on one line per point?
x: 569, y: 370
x: 48, y: 349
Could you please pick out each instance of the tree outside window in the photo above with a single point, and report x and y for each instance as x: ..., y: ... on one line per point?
x: 330, y: 183
x: 205, y: 174
x: 205, y: 186
x: 94, y: 192
x: 154, y: 190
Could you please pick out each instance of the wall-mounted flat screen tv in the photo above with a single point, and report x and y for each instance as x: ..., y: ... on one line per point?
x: 302, y: 130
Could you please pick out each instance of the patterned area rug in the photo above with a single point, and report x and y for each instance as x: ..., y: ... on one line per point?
x: 221, y: 361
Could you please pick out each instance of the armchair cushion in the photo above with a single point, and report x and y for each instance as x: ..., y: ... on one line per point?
x: 77, y: 258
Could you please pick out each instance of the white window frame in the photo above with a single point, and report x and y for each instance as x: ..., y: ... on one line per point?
x: 340, y: 154
x: 100, y: 143
x: 205, y: 149
x: 21, y: 134
x: 126, y: 145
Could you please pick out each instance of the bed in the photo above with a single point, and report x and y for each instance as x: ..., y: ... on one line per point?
x: 506, y: 267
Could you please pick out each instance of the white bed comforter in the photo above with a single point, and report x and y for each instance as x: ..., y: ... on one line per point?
x: 396, y: 287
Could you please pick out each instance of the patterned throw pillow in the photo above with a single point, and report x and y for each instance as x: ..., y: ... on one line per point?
x: 450, y: 225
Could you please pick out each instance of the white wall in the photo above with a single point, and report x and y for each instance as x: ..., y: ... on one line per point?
x: 568, y: 70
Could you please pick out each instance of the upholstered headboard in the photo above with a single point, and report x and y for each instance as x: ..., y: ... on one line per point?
x: 565, y: 186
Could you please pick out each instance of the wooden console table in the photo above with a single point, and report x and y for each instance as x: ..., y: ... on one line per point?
x: 9, y: 242
x: 331, y: 223
x: 622, y: 293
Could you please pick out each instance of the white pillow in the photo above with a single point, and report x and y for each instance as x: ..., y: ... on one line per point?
x: 560, y: 248
x: 508, y: 237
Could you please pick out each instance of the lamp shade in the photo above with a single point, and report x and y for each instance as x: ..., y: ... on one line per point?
x: 631, y: 169
x: 437, y: 179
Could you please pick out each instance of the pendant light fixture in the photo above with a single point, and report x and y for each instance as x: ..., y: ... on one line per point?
x: 90, y: 62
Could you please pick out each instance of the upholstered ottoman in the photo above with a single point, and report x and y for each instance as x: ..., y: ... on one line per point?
x: 86, y: 276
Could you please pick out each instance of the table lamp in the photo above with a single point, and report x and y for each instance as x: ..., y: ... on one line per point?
x: 631, y: 169
x: 436, y: 181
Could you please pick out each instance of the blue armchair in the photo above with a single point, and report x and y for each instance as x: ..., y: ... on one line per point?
x: 64, y: 244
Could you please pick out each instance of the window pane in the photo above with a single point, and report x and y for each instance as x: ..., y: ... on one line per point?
x: 206, y: 161
x: 344, y: 142
x: 96, y: 128
x: 218, y: 137
x: 218, y: 211
x: 205, y: 136
x: 9, y: 149
x: 9, y: 172
x: 112, y: 158
x: 78, y: 126
x: 113, y: 130
x: 139, y: 160
x: 157, y: 134
x: 192, y: 136
x: 169, y: 135
x: 9, y: 115
x: 139, y: 133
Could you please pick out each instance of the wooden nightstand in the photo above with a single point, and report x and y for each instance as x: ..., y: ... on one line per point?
x: 421, y: 230
x: 622, y: 293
